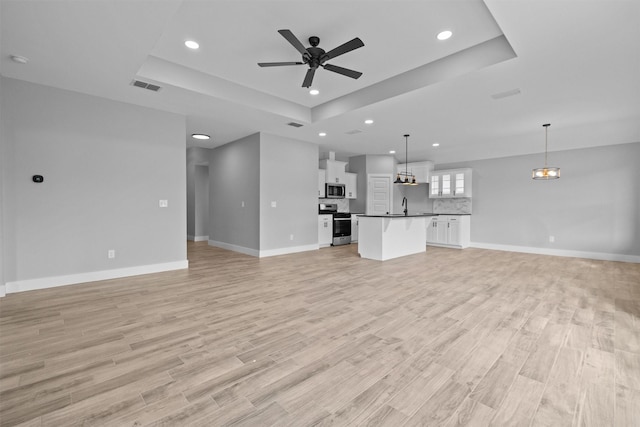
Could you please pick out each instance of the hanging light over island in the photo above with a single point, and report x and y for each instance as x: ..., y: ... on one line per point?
x: 409, y: 178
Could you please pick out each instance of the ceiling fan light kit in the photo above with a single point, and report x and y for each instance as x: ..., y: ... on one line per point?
x: 315, y: 57
x: 546, y: 172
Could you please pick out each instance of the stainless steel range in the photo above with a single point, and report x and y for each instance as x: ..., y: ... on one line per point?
x: 341, y: 223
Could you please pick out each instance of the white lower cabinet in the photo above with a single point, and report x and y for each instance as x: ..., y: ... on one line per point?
x: 449, y: 230
x: 325, y: 230
x: 354, y: 228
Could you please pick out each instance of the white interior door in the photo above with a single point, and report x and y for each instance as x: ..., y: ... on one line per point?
x: 379, y: 194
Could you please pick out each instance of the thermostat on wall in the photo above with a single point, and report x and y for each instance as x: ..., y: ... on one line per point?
x: 38, y: 178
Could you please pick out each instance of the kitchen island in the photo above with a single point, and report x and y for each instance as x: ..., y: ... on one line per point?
x: 383, y: 237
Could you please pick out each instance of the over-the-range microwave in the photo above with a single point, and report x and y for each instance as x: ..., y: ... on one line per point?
x: 335, y: 191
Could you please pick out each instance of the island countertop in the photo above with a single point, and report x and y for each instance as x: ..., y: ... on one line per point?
x: 399, y: 215
x: 408, y: 216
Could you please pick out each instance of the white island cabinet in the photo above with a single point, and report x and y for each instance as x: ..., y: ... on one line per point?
x: 452, y: 231
x: 384, y: 237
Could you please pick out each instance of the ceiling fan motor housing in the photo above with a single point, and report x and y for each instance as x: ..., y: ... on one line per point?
x: 315, y: 55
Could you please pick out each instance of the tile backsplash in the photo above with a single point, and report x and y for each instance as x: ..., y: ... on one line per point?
x: 452, y: 206
x: 343, y: 204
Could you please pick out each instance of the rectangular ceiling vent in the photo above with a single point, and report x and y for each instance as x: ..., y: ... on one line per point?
x: 148, y: 86
x: 505, y: 94
x: 353, y: 132
x: 295, y: 125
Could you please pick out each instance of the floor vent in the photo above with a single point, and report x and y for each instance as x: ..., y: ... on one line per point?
x: 148, y: 86
x: 295, y: 125
x: 353, y: 132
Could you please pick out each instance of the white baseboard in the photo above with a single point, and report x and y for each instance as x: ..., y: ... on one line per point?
x: 93, y: 276
x: 197, y: 238
x: 288, y: 250
x: 263, y: 253
x: 235, y: 248
x: 558, y: 252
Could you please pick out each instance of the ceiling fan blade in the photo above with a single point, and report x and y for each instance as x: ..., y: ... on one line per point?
x: 343, y: 48
x: 278, y: 64
x: 344, y: 71
x: 308, y: 79
x: 287, y: 34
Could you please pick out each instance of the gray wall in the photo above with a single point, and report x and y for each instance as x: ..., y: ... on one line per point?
x: 105, y: 165
x: 593, y: 207
x: 4, y: 171
x: 234, y: 175
x: 288, y: 176
x: 202, y: 201
x: 358, y: 165
x: 417, y: 196
x: 258, y: 170
x: 197, y: 192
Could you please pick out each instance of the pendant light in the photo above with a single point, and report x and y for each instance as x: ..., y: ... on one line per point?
x: 547, y: 172
x: 409, y: 179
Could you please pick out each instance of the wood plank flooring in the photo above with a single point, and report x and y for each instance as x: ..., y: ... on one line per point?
x: 450, y: 338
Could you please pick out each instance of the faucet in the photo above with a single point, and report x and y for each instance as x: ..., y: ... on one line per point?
x: 405, y: 203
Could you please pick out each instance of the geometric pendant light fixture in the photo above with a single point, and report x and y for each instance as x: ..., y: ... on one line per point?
x: 547, y: 172
x: 409, y: 178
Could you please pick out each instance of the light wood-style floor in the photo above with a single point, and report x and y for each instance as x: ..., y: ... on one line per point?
x: 450, y: 337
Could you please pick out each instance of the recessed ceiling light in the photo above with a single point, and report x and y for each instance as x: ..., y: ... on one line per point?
x: 191, y: 44
x: 435, y: 144
x: 368, y: 121
x: 322, y: 134
x: 314, y: 91
x: 200, y: 136
x: 444, y: 35
x: 392, y: 152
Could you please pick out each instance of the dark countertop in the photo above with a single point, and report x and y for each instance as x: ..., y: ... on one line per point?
x: 400, y: 215
x: 410, y: 215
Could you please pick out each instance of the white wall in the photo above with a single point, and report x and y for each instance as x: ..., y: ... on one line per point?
x: 593, y: 210
x: 105, y: 165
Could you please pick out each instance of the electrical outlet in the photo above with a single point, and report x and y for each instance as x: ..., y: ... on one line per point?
x: 290, y: 236
x: 273, y: 204
x: 552, y: 239
x: 111, y: 253
x: 163, y: 203
x: 242, y: 204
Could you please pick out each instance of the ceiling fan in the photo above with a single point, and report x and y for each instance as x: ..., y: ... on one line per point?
x: 316, y: 57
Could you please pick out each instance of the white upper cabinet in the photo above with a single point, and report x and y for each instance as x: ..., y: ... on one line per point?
x: 450, y: 183
x: 335, y: 171
x: 352, y: 185
x: 421, y: 170
x: 321, y: 181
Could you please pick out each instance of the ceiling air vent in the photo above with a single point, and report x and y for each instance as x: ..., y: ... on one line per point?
x: 295, y: 125
x: 505, y: 94
x: 148, y: 86
x: 353, y: 132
